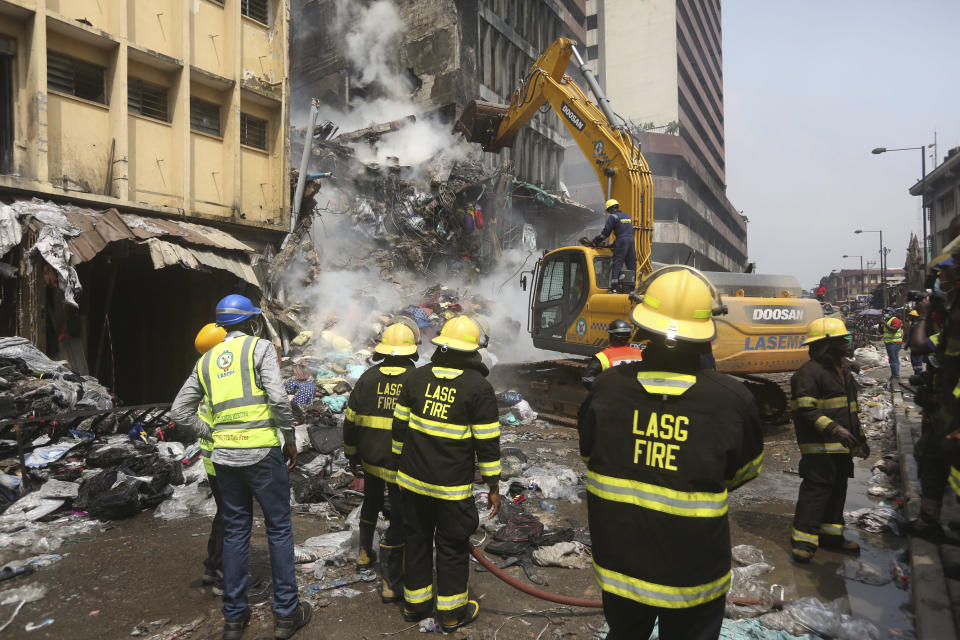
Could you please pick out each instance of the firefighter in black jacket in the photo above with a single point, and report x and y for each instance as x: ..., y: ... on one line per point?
x: 664, y: 441
x: 446, y: 422
x: 828, y: 430
x: 367, y: 440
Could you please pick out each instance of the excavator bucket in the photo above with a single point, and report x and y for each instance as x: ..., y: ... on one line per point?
x: 480, y: 121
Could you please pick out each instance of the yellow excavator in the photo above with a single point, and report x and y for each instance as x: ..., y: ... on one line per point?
x: 572, y: 299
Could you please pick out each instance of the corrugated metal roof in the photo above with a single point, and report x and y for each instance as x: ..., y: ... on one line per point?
x: 166, y: 254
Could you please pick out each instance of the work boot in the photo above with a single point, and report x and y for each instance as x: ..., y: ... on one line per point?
x: 414, y: 616
x: 233, y: 629
x: 841, y: 545
x: 391, y: 573
x: 801, y: 556
x: 471, y: 612
x: 365, y: 560
x: 284, y: 628
x: 366, y: 557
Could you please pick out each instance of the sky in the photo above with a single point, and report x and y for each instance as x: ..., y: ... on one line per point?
x: 809, y: 89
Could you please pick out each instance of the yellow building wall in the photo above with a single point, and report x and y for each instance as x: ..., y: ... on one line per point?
x: 213, y: 38
x: 78, y: 141
x: 260, y: 58
x: 261, y: 183
x: 156, y: 25
x: 102, y: 14
x: 155, y: 175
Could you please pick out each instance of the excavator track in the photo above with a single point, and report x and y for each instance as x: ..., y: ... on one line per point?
x: 554, y: 390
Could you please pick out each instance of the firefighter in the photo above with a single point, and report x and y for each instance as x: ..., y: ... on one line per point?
x: 916, y: 356
x: 664, y: 442
x: 619, y: 352
x: 445, y: 420
x: 367, y: 440
x: 239, y: 380
x: 210, y: 336
x: 892, y: 340
x: 828, y: 432
x: 624, y: 252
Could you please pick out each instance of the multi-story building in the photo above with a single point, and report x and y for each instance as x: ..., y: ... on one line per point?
x: 171, y: 112
x: 660, y: 62
x: 847, y: 284
x: 942, y: 197
x: 450, y: 52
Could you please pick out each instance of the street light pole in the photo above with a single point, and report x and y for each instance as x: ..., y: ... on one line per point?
x: 883, y: 262
x: 923, y: 189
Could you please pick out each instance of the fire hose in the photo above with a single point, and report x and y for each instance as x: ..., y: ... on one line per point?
x: 570, y: 600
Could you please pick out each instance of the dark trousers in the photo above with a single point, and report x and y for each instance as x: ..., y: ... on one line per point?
x: 932, y: 466
x: 214, y: 560
x: 623, y: 253
x: 373, y: 488
x: 631, y: 620
x: 823, y: 491
x: 449, y: 524
x: 916, y: 361
x: 269, y: 483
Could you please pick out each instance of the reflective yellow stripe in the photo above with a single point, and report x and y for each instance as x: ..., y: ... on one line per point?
x: 748, y: 471
x: 822, y: 422
x: 401, y: 412
x: 392, y: 371
x: 956, y: 391
x: 453, y: 492
x: 396, y: 447
x: 831, y: 529
x: 384, y: 474
x: 446, y: 374
x: 651, y: 302
x: 586, y: 459
x: 823, y: 447
x: 485, y: 431
x: 372, y: 422
x: 439, y: 429
x: 702, y: 314
x: 490, y: 468
x: 349, y: 449
x: 833, y: 403
x: 448, y: 603
x: 604, y: 361
x: 416, y: 596
x: 658, y: 595
x: 665, y: 382
x: 655, y: 498
x: 349, y: 414
x: 802, y: 536
x: 955, y: 480
x: 854, y: 407
x: 803, y: 402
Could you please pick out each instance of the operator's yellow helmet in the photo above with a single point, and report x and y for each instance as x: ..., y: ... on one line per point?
x: 463, y: 333
x: 678, y: 302
x: 399, y: 338
x: 611, y: 203
x: 914, y: 313
x: 823, y: 328
x: 209, y: 336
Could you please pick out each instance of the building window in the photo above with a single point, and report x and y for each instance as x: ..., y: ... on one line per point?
x: 204, y: 116
x: 256, y: 9
x: 253, y: 131
x: 75, y: 77
x: 592, y: 22
x: 593, y: 52
x: 147, y: 100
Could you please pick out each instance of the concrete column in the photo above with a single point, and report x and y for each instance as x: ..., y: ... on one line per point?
x: 36, y: 51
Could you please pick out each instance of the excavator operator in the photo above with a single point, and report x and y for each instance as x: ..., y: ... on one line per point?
x: 624, y: 251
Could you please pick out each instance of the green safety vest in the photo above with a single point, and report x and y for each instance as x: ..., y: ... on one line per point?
x: 241, y: 417
x: 890, y: 334
x: 206, y: 446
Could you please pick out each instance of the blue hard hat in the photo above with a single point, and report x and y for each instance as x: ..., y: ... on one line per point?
x: 235, y: 308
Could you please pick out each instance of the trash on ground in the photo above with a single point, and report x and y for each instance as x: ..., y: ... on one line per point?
x: 876, y: 519
x: 570, y: 555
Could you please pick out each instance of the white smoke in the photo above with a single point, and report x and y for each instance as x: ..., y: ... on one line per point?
x: 371, y: 40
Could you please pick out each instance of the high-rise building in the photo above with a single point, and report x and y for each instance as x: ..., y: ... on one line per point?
x: 660, y: 62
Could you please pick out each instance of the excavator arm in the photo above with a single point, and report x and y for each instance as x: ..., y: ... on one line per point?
x: 620, y: 167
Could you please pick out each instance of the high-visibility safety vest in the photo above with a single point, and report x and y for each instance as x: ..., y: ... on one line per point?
x: 206, y: 446
x: 891, y: 333
x: 241, y: 417
x: 612, y: 356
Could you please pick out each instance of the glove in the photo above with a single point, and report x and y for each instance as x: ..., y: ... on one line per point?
x: 598, y: 241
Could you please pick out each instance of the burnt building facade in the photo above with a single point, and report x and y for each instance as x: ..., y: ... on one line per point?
x: 443, y: 54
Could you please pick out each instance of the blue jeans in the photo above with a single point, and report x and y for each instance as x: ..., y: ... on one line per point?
x: 916, y: 361
x: 893, y: 354
x: 269, y: 483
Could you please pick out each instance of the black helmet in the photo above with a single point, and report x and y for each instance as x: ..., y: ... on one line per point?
x: 619, y: 331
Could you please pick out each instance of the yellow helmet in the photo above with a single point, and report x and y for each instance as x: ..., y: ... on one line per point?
x: 463, y: 333
x: 914, y: 313
x: 210, y: 336
x: 611, y: 203
x: 400, y: 338
x: 823, y: 328
x: 678, y: 302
